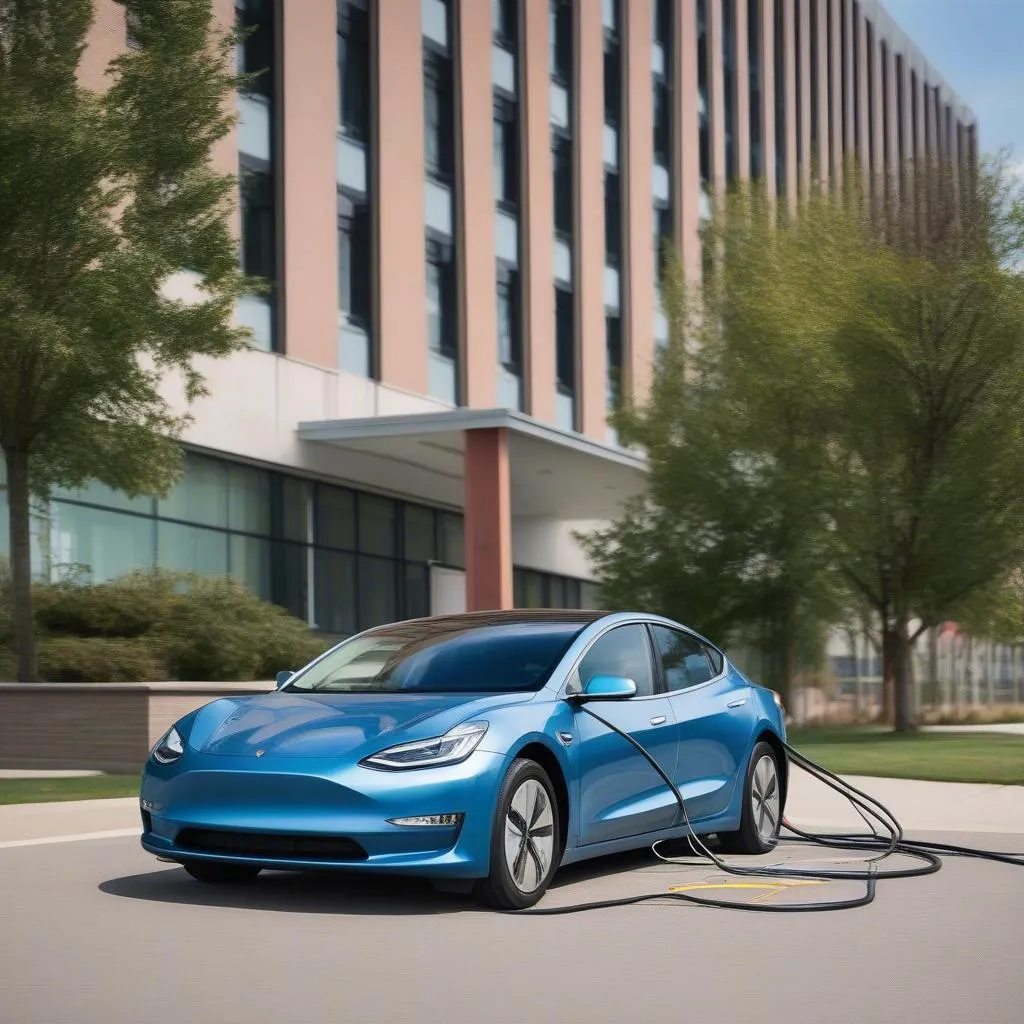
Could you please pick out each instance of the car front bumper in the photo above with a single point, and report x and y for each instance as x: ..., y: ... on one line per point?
x: 309, y: 813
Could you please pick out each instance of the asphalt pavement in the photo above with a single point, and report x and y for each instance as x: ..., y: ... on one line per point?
x: 95, y: 931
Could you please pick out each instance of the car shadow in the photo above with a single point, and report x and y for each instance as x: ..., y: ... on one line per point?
x: 329, y: 892
x: 294, y: 892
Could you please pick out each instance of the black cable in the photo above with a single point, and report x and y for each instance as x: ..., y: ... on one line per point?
x: 928, y: 854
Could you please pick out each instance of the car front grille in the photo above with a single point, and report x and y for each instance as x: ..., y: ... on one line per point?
x: 275, y: 846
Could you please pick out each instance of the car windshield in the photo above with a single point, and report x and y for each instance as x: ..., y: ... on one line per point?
x: 421, y: 657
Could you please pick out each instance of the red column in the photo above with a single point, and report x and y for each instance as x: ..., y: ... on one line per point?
x: 488, y: 520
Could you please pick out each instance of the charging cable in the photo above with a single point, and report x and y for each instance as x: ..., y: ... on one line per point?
x: 882, y: 843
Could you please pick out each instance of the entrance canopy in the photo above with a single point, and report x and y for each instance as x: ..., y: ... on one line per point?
x: 495, y: 464
x: 552, y: 472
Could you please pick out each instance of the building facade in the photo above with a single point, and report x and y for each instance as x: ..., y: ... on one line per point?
x: 460, y: 206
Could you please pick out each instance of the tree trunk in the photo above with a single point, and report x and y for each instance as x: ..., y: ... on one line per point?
x: 933, y: 666
x: 890, y: 653
x: 903, y: 705
x: 20, y: 527
x: 853, y: 640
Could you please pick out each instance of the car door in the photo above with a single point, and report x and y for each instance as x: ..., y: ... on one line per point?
x: 714, y: 714
x: 621, y: 794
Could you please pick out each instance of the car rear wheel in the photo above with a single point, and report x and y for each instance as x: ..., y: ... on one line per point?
x: 525, y: 839
x: 220, y: 872
x: 762, y: 805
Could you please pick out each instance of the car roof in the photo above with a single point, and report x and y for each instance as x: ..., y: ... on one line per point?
x: 510, y: 616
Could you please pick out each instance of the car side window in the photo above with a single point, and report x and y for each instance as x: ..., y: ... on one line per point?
x: 684, y: 658
x: 622, y: 651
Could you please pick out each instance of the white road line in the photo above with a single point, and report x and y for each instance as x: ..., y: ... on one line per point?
x: 115, y: 833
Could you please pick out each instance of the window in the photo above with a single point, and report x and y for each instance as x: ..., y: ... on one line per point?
x: 729, y: 84
x: 562, y: 168
x: 886, y: 112
x: 438, y: 109
x: 354, y: 259
x: 506, y: 155
x: 354, y: 70
x: 819, y: 147
x: 662, y: 123
x: 702, y: 90
x: 612, y: 220
x: 560, y: 40
x: 256, y: 51
x: 901, y: 96
x: 565, y: 343
x: 509, y: 346
x: 420, y: 533
x: 780, y: 101
x: 335, y: 517
x: 258, y: 226
x: 377, y: 525
x: 872, y: 69
x: 612, y: 83
x: 255, y: 525
x: 754, y: 103
x: 623, y: 651
x: 504, y: 21
x: 450, y: 657
x: 613, y: 346
x: 440, y: 300
x: 683, y: 657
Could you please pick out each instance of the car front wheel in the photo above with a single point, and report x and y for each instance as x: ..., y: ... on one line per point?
x: 219, y: 872
x: 524, y: 839
x: 762, y: 805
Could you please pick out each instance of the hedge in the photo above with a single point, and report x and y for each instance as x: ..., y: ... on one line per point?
x: 154, y: 625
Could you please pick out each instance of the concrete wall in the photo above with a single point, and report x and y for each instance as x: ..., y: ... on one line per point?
x: 105, y: 727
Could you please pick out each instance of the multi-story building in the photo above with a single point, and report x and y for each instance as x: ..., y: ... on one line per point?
x: 460, y: 205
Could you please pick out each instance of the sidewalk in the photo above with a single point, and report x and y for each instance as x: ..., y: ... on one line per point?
x: 919, y: 806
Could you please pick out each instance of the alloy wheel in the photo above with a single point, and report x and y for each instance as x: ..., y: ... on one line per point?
x: 529, y: 836
x: 764, y: 798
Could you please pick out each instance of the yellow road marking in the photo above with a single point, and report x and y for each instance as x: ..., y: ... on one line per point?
x: 771, y: 887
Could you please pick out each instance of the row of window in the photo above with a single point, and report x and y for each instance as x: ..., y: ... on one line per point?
x: 358, y: 70
x: 659, y: 659
x: 337, y: 558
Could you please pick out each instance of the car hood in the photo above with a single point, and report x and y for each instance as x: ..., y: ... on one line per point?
x: 287, y: 724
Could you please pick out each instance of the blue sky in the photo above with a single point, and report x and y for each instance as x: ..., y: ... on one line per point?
x: 978, y: 46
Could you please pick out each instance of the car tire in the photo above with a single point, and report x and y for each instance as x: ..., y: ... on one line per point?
x: 761, y: 818
x: 220, y: 872
x: 522, y: 861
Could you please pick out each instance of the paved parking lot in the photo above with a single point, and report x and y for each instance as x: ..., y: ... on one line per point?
x: 98, y: 932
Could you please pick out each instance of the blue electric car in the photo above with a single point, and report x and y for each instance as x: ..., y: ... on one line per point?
x: 459, y: 748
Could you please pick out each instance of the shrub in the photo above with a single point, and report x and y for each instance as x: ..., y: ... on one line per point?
x: 129, y: 606
x: 99, y: 659
x: 153, y: 625
x: 217, y: 630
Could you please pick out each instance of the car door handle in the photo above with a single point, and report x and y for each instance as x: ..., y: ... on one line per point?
x: 737, y: 703
x: 660, y: 720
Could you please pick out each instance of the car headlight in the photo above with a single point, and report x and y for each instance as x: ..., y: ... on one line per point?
x: 454, y: 746
x: 170, y: 748
x: 777, y: 697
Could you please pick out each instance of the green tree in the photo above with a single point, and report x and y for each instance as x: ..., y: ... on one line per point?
x: 846, y: 403
x: 731, y: 535
x: 104, y: 196
x: 927, y: 416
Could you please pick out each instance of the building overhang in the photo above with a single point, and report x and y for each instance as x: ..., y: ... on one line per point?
x: 554, y: 473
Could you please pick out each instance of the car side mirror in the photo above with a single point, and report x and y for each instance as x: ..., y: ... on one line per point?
x: 283, y: 677
x: 606, y: 688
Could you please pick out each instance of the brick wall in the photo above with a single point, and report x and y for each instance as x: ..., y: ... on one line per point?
x: 101, y: 727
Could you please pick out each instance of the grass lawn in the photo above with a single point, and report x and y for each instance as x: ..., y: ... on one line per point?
x: 92, y: 787
x: 939, y: 757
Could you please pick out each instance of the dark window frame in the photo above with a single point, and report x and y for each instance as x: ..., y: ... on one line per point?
x: 440, y: 255
x: 355, y: 114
